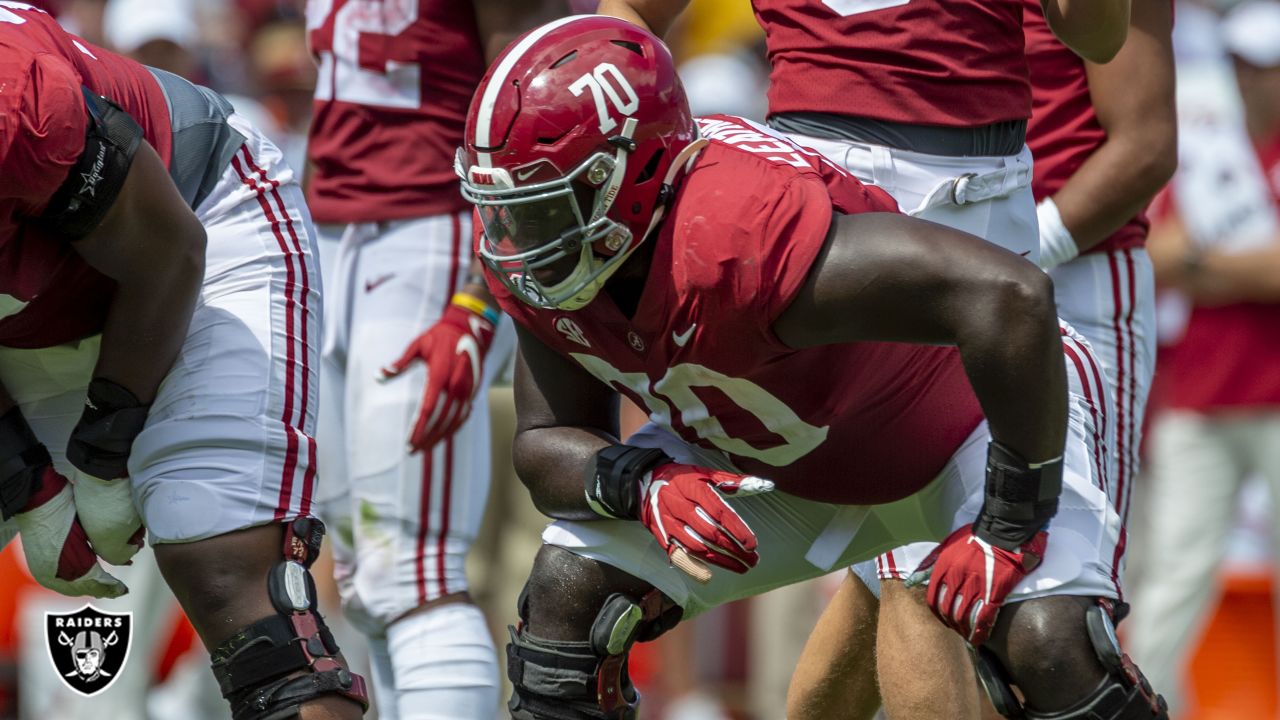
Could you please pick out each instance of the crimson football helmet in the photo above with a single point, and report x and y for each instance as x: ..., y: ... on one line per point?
x: 572, y: 142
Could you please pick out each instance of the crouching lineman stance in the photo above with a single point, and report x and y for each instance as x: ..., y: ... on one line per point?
x: 778, y: 320
x: 158, y: 335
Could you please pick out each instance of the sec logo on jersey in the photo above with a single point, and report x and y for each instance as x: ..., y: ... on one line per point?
x: 88, y: 647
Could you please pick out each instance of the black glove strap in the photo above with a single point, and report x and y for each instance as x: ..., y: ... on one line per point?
x: 613, y: 479
x: 101, y: 441
x: 1020, y: 500
x: 21, y: 455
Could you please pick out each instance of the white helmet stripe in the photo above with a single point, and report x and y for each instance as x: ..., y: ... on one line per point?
x: 484, y: 117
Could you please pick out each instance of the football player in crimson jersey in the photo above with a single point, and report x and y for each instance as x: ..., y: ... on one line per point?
x: 412, y: 337
x: 817, y: 368
x: 158, y: 317
x: 930, y: 101
x: 1104, y: 140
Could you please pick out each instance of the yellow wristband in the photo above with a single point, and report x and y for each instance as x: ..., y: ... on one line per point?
x: 475, y: 305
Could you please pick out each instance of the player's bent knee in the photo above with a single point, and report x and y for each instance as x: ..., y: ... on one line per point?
x: 1063, y: 656
x: 576, y: 668
x: 270, y: 668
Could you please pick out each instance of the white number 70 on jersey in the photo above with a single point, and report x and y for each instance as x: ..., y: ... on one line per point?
x: 601, y: 81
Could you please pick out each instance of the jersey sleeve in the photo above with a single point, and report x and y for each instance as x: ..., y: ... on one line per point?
x: 42, y: 132
x: 794, y: 233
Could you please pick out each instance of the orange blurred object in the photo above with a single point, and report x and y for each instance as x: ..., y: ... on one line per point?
x: 1233, y: 673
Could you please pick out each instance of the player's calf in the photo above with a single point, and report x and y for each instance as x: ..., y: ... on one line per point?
x: 1062, y: 655
x: 268, y: 667
x: 567, y: 659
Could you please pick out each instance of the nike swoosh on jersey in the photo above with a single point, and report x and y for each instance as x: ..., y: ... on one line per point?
x: 681, y: 338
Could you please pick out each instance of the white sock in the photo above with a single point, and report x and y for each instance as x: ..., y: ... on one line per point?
x: 444, y: 663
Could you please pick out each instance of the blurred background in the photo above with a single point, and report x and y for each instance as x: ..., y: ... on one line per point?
x: 735, y: 662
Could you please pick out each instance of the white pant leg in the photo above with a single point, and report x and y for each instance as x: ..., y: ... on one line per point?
x: 415, y: 515
x: 229, y: 442
x: 385, y: 701
x: 444, y: 663
x: 1195, y: 475
x: 1109, y: 298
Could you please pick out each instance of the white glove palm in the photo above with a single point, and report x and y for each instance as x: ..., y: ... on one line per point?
x: 108, y: 516
x: 56, y: 547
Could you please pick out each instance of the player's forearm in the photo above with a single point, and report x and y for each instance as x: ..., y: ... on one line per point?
x: 1113, y: 185
x: 1012, y: 352
x: 1218, y: 278
x: 552, y: 463
x: 147, y: 324
x: 1094, y: 29
x: 499, y: 22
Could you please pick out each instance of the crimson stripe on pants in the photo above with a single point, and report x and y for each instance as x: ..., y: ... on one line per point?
x: 1080, y: 356
x: 308, y: 478
x: 424, y: 523
x: 1099, y: 447
x: 290, y: 287
x: 1131, y: 458
x: 455, y: 262
x: 1117, y: 314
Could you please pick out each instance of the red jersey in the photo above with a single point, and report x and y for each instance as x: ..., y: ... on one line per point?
x: 852, y: 423
x: 1229, y: 357
x: 957, y: 63
x: 395, y: 82
x: 48, y: 294
x: 1064, y: 129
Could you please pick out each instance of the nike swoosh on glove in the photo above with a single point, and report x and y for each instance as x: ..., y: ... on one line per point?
x: 56, y: 547
x: 108, y: 516
x: 682, y: 505
x: 453, y: 350
x: 969, y: 579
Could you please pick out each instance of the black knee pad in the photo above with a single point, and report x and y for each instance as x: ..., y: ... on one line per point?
x: 576, y: 680
x: 1124, y: 694
x: 269, y: 669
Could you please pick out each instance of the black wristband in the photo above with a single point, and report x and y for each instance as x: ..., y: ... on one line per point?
x: 1020, y: 499
x: 100, y: 443
x: 613, y: 479
x: 21, y: 458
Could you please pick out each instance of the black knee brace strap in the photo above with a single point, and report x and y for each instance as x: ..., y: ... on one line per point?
x: 258, y: 667
x: 575, y: 680
x: 1123, y: 695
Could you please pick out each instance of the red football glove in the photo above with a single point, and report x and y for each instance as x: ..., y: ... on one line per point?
x: 969, y: 579
x: 56, y: 547
x: 682, y: 508
x: 453, y: 350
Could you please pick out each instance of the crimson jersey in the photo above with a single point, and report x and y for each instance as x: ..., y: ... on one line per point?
x: 852, y: 423
x: 48, y: 295
x: 956, y: 63
x: 1228, y: 359
x: 395, y: 82
x: 1064, y: 129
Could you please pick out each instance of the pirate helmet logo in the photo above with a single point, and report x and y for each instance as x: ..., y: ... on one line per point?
x: 89, y: 647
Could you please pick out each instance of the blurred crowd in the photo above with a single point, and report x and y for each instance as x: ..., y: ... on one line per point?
x: 1204, y: 542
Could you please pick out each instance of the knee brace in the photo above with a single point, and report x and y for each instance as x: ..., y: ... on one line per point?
x: 269, y: 669
x: 1123, y: 695
x: 575, y: 680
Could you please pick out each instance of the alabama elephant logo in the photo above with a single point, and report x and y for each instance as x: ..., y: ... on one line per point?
x: 88, y: 647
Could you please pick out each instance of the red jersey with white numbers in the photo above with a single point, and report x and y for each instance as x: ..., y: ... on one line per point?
x: 1064, y: 129
x: 395, y: 81
x: 957, y: 63
x: 852, y: 423
x: 48, y: 295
